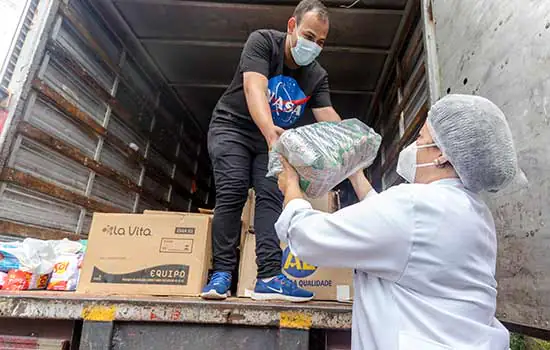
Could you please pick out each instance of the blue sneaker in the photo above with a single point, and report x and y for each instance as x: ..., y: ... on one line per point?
x: 218, y: 288
x: 280, y: 288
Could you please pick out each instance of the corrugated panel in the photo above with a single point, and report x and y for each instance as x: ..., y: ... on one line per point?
x: 159, y: 161
x: 92, y: 23
x: 190, y: 146
x: 202, y: 195
x: 111, y: 157
x: 165, y: 136
x: 30, y: 157
x: 73, y: 43
x: 183, y: 180
x: 161, y: 190
x: 126, y: 134
x: 57, y: 124
x: 21, y: 205
x: 8, y: 238
x: 178, y: 203
x: 417, y: 100
x: 142, y: 87
x: 146, y: 205
x: 75, y: 91
x: 142, y: 121
x: 110, y: 192
x: 390, y: 176
x: 87, y: 223
x: 184, y: 156
x: 12, y: 62
x: 42, y: 162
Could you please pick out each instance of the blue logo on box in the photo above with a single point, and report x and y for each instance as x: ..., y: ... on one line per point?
x: 296, y: 267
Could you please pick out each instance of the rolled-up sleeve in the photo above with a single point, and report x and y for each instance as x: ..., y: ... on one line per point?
x: 373, y: 236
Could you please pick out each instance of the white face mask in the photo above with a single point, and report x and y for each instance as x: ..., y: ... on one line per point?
x: 406, y: 164
x: 305, y: 51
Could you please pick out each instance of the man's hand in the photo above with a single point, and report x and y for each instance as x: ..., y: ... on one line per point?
x: 273, y: 134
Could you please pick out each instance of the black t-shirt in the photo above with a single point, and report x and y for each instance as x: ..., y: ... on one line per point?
x: 290, y: 91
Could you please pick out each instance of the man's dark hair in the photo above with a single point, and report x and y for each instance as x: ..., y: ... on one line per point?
x: 306, y: 6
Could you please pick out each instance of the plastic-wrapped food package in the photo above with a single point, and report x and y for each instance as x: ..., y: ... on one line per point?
x: 28, y: 264
x: 24, y: 279
x: 324, y: 154
x: 17, y: 255
x: 66, y: 270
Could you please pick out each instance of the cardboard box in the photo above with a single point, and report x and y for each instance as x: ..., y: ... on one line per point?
x: 328, y: 203
x: 208, y: 250
x: 327, y: 283
x: 249, y: 209
x: 206, y: 211
x: 146, y: 254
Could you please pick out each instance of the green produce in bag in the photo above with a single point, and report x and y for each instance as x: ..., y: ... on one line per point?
x: 324, y: 154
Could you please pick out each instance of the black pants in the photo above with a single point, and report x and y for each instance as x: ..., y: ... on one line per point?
x: 239, y: 158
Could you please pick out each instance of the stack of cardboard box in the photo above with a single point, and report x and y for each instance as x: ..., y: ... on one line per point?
x: 327, y: 283
x: 169, y: 253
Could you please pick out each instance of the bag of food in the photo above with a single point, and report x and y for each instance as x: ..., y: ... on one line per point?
x: 24, y: 280
x: 66, y: 270
x: 16, y: 255
x: 324, y: 154
x: 28, y: 264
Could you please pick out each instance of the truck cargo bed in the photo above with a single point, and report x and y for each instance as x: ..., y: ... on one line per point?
x: 239, y: 311
x: 145, y: 322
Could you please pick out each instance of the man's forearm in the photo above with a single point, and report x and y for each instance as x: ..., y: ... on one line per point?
x: 259, y: 110
x: 255, y: 87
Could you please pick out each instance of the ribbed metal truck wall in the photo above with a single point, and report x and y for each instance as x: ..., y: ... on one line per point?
x: 88, y: 132
x: 401, y: 104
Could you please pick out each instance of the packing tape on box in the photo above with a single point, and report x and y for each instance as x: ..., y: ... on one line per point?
x: 343, y: 293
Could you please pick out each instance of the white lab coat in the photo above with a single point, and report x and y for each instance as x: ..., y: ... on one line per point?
x: 425, y: 259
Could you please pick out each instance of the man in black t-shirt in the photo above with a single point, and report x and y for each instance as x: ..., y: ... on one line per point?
x: 277, y: 79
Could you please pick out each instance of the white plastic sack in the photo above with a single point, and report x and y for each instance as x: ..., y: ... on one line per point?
x: 324, y: 154
x: 17, y: 255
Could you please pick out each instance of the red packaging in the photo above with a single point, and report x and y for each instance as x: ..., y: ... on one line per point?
x: 24, y: 280
x: 18, y: 280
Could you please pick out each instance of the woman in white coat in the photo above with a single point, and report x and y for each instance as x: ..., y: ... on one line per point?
x: 424, y: 253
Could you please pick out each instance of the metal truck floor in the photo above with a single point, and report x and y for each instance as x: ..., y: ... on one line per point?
x: 237, y: 311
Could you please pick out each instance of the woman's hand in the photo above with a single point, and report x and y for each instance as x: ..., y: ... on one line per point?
x: 288, y: 180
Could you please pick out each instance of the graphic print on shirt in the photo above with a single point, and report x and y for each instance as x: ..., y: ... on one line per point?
x: 286, y: 99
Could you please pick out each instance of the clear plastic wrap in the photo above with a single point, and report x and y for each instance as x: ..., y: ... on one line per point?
x: 324, y: 154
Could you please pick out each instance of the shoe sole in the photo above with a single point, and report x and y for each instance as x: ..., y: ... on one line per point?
x: 213, y: 295
x: 276, y: 296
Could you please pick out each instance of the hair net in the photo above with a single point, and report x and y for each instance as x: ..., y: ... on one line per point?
x: 473, y: 134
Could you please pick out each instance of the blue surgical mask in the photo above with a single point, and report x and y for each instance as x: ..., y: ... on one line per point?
x: 305, y: 51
